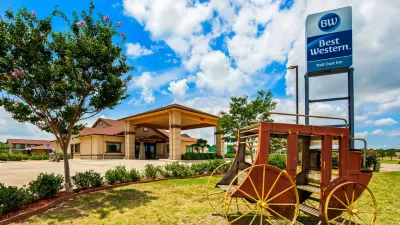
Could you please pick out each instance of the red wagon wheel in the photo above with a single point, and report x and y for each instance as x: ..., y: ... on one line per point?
x: 350, y: 203
x: 265, y: 195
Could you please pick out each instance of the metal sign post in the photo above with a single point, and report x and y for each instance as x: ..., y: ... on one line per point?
x: 329, y: 51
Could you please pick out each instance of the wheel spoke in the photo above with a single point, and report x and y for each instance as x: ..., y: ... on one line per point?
x: 219, y: 203
x: 336, y: 218
x: 273, y: 185
x: 254, y: 217
x: 216, y: 193
x: 261, y: 216
x: 245, y: 193
x: 245, y: 214
x: 230, y: 202
x: 263, y: 183
x: 350, y: 220
x: 280, y: 215
x: 361, y: 219
x: 280, y: 193
x: 246, y: 203
x: 254, y: 187
x: 347, y: 199
x: 339, y: 200
x: 354, y: 190
x: 282, y: 204
x: 344, y: 220
x: 338, y: 209
x: 269, y: 218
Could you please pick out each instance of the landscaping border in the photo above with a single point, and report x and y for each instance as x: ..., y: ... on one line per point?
x: 55, y: 202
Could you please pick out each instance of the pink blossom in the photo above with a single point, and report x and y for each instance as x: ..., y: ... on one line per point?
x: 16, y: 101
x: 39, y: 126
x: 91, y: 39
x: 81, y: 23
x: 33, y: 14
x: 106, y: 18
x: 64, y: 81
x: 122, y: 34
x: 124, y: 81
x: 119, y: 24
x: 17, y: 72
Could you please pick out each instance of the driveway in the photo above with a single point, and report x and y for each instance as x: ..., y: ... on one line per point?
x: 390, y: 167
x: 21, y: 173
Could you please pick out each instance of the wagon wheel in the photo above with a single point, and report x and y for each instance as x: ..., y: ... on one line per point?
x: 215, y: 195
x: 350, y: 203
x: 267, y: 195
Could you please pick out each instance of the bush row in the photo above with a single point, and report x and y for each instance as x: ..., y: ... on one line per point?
x: 19, y: 157
x: 199, y: 156
x: 45, y: 186
x: 230, y: 155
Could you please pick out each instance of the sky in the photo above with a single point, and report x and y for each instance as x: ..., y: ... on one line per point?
x: 201, y: 53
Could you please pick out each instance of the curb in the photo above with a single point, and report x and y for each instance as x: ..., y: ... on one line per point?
x: 55, y: 202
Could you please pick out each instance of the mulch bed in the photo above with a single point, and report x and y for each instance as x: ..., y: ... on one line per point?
x: 43, y: 205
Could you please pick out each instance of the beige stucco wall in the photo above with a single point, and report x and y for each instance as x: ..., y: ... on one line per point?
x: 184, y: 144
x: 94, y: 147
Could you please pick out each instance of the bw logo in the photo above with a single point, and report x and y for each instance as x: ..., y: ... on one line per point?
x: 329, y: 22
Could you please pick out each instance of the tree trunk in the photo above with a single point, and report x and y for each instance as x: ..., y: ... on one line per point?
x: 67, y: 176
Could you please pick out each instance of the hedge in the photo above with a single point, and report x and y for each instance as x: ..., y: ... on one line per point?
x: 199, y: 156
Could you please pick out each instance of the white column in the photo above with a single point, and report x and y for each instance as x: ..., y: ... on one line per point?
x: 130, y: 136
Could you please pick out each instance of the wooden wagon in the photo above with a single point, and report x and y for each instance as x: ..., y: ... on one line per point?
x: 263, y: 194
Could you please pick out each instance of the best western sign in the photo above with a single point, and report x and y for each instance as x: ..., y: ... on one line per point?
x: 329, y: 40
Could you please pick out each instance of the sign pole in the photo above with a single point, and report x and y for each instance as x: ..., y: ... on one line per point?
x: 307, y: 99
x: 351, y: 103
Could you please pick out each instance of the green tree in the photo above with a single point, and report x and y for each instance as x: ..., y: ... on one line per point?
x: 391, y: 153
x: 243, y: 111
x: 200, y: 145
x: 55, y: 79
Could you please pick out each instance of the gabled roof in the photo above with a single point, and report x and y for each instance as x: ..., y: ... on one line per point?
x: 52, y: 146
x: 172, y: 106
x: 26, y: 141
x: 117, y: 127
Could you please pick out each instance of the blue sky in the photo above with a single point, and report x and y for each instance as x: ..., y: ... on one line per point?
x: 200, y: 53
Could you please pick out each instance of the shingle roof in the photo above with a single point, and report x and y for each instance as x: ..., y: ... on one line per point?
x: 52, y: 146
x: 118, y: 127
x: 26, y: 141
x: 170, y: 107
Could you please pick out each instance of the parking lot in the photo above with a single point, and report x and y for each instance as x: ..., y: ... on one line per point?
x: 21, y: 173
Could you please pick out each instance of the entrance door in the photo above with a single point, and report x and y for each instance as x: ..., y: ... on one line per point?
x: 150, y: 150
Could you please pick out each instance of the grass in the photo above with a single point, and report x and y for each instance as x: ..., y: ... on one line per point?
x: 389, y: 161
x: 182, y: 201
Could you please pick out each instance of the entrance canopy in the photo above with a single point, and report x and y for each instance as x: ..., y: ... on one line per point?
x: 174, y: 118
x: 160, y: 118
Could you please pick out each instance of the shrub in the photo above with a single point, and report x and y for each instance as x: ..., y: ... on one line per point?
x: 46, y: 185
x: 230, y: 155
x: 335, y: 160
x: 61, y: 155
x: 176, y: 169
x: 150, y: 171
x: 4, y: 157
x: 213, y: 164
x: 278, y: 161
x: 117, y: 174
x: 87, y: 179
x: 371, y: 158
x: 81, y: 180
x: 134, y: 174
x: 12, y: 198
x: 39, y: 157
x: 199, y: 156
x: 199, y: 168
x: 13, y: 157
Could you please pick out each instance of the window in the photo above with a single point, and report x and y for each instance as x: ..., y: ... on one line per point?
x: 77, y: 148
x: 189, y: 149
x: 19, y: 146
x: 113, y: 147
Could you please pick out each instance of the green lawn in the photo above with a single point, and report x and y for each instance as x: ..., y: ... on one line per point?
x: 182, y: 202
x: 394, y: 161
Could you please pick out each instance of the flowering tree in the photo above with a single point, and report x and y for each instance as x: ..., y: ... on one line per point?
x: 56, y: 79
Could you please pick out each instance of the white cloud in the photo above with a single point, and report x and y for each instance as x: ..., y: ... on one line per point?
x: 134, y: 50
x: 378, y: 131
x: 368, y: 122
x: 361, y: 134
x: 385, y: 122
x: 394, y: 133
x: 10, y: 128
x: 361, y: 118
x: 178, y: 88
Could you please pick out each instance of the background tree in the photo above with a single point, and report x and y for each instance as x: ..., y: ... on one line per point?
x: 243, y: 111
x: 200, y: 145
x: 56, y: 79
x: 391, y: 153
